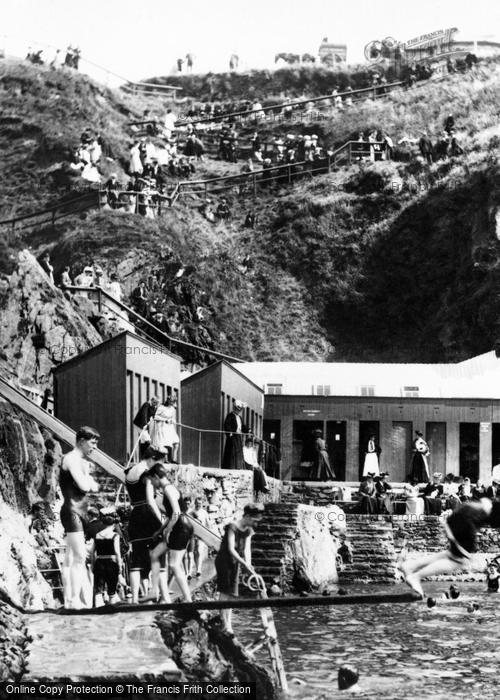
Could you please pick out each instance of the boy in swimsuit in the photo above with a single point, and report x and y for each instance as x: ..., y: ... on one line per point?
x: 461, y: 529
x: 75, y: 482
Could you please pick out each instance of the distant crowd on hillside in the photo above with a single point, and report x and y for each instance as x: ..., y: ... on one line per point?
x: 71, y: 58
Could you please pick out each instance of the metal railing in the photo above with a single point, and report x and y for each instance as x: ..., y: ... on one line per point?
x: 149, y: 204
x: 280, y: 110
x: 142, y: 325
x: 284, y: 174
x: 49, y: 216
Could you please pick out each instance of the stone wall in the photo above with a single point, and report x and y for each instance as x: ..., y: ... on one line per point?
x: 226, y: 491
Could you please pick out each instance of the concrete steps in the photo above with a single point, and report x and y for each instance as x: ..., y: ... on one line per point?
x: 373, y: 552
x: 277, y: 529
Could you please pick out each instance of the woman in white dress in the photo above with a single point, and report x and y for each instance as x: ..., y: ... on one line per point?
x: 162, y: 430
x: 414, y: 503
x: 371, y: 463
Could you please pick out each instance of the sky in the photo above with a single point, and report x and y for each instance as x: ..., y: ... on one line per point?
x: 138, y: 40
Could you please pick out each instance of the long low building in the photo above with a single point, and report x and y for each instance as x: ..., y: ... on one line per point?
x: 456, y: 407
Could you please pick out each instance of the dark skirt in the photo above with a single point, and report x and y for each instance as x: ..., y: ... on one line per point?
x: 143, y: 523
x: 323, y: 470
x: 227, y: 575
x: 233, y: 453
x: 418, y: 470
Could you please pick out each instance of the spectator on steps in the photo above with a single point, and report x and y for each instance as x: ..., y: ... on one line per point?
x: 85, y: 279
x: 449, y: 124
x: 368, y: 495
x: 426, y: 148
x: 65, y: 278
x: 135, y: 165
x: 114, y: 287
x: 47, y: 267
x: 169, y: 123
x: 260, y: 484
x: 223, y: 212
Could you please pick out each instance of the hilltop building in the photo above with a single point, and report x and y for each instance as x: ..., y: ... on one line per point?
x: 332, y: 54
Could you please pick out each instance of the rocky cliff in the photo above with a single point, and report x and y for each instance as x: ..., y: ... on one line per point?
x: 40, y: 327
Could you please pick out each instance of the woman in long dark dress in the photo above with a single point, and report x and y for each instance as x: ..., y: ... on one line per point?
x: 419, y: 463
x: 321, y: 465
x: 235, y: 551
x: 234, y: 429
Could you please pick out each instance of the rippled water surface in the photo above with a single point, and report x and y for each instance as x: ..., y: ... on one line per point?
x: 401, y: 651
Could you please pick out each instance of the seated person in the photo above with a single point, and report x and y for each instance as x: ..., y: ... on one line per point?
x: 432, y: 495
x: 260, y: 484
x: 223, y: 211
x: 478, y: 491
x: 384, y: 493
x: 368, y: 495
x: 450, y: 492
x: 414, y: 503
x: 465, y: 490
x: 493, y: 491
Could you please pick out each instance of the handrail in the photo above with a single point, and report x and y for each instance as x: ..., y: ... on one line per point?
x: 128, y: 310
x: 60, y: 429
x: 294, y: 104
x: 183, y: 185
x: 54, y: 209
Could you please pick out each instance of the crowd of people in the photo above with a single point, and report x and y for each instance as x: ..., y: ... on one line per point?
x: 446, y: 145
x: 71, y: 58
x: 133, y: 553
x: 175, y: 304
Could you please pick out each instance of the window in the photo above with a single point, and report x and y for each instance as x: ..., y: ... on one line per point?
x: 274, y: 388
x: 410, y: 392
x: 367, y: 390
x: 323, y: 390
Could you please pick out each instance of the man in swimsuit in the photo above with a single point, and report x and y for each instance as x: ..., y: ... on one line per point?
x: 75, y: 482
x: 461, y: 529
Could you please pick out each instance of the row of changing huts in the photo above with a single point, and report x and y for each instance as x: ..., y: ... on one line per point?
x: 105, y: 387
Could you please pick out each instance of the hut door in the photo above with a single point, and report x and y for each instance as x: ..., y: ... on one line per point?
x: 469, y: 450
x: 401, y: 450
x: 336, y: 442
x: 435, y: 436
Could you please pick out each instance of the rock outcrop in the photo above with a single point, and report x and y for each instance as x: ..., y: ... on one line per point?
x: 297, y: 545
x: 40, y: 327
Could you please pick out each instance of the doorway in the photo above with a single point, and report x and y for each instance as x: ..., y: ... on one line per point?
x: 469, y: 450
x: 366, y: 429
x: 435, y: 436
x: 401, y: 440
x: 336, y: 444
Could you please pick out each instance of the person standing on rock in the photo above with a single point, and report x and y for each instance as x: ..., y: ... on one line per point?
x: 75, y: 482
x: 235, y: 551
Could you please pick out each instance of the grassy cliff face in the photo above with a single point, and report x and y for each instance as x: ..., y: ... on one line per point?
x: 387, y: 261
x: 43, y: 114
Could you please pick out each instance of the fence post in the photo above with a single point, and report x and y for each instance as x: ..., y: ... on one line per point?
x: 254, y: 178
x: 99, y: 300
x: 289, y: 174
x: 349, y: 153
x: 329, y: 164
